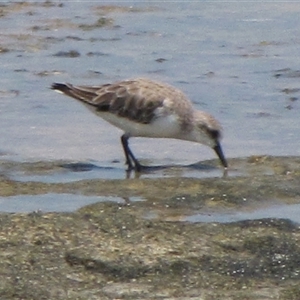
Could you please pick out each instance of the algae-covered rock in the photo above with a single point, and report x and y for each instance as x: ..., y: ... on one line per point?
x: 143, y: 249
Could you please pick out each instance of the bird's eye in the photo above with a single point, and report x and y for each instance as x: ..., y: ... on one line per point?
x: 214, y: 133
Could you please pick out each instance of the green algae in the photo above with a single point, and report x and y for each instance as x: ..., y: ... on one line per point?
x: 109, y: 250
x: 104, y: 243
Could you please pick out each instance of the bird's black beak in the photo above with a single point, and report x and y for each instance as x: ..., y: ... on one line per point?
x: 220, y: 154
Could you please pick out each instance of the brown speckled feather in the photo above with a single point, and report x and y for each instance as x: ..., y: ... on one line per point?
x: 136, y: 99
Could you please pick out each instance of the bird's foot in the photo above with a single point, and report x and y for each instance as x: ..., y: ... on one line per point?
x: 137, y: 167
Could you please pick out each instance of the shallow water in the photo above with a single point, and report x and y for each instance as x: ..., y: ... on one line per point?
x: 69, y: 202
x: 239, y: 62
x: 290, y: 212
x: 53, y: 202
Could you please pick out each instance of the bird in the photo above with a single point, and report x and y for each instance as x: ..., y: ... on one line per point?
x: 142, y: 107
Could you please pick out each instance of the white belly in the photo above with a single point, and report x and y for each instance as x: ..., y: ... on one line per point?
x: 163, y: 127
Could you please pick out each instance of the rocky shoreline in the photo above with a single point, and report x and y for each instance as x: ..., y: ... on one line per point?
x: 111, y: 251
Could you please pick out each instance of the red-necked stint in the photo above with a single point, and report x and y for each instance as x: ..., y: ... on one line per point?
x: 145, y: 108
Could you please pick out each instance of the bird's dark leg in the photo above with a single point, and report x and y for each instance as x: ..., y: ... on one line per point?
x: 124, y: 140
x: 129, y: 155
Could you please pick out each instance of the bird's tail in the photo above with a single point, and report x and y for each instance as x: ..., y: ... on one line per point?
x: 84, y: 94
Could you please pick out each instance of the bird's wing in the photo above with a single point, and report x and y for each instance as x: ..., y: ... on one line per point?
x: 136, y: 100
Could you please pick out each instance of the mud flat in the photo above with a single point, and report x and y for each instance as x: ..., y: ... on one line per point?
x: 145, y: 249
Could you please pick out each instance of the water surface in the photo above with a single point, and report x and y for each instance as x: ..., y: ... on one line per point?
x: 238, y: 61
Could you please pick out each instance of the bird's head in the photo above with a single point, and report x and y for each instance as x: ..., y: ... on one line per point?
x: 208, y: 131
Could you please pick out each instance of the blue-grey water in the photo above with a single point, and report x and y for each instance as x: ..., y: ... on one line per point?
x: 237, y: 60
